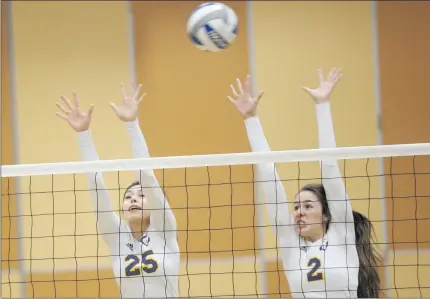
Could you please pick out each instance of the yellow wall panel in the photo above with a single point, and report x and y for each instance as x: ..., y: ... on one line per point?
x: 294, y: 39
x: 61, y: 47
x: 186, y: 112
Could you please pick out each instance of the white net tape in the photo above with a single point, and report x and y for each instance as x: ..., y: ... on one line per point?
x: 339, y: 153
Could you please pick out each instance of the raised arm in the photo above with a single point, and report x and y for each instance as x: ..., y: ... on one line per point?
x: 338, y: 202
x: 267, y: 177
x: 108, y: 221
x: 340, y: 206
x: 162, y: 218
x: 266, y: 174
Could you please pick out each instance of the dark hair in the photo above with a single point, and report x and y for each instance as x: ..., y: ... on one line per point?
x: 135, y: 183
x: 368, y: 277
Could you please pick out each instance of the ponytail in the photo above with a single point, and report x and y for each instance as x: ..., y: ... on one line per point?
x: 368, y: 277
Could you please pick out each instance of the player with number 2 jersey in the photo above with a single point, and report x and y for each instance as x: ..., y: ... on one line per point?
x: 325, y: 245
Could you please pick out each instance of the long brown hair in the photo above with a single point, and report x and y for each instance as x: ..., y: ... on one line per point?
x: 369, y: 258
x: 368, y: 277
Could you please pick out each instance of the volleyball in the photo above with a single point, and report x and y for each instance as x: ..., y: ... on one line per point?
x: 212, y: 26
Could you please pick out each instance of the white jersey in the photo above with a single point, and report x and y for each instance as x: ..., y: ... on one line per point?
x: 327, y: 268
x: 145, y: 268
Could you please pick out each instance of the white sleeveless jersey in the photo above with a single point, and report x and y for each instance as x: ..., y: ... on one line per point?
x: 145, y: 268
x: 328, y: 267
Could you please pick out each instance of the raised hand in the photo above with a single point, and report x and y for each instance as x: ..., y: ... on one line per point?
x: 77, y: 118
x: 326, y: 86
x: 243, y: 101
x: 128, y: 109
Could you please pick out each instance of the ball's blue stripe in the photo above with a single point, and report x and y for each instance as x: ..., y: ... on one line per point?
x: 195, y: 40
x: 216, y: 37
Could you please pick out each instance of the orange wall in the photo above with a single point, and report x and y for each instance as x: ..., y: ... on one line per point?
x: 404, y: 67
x: 186, y: 112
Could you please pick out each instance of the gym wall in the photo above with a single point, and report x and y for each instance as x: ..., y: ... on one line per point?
x: 59, y: 47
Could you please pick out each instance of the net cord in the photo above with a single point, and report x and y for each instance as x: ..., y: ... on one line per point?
x: 247, y: 158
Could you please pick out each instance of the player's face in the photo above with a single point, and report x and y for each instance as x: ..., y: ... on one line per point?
x: 308, y: 216
x: 134, y: 205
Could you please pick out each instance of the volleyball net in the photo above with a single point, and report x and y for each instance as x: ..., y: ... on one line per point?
x: 51, y: 246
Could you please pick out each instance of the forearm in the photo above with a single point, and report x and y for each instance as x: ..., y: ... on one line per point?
x: 108, y: 220
x: 266, y: 175
x: 332, y: 179
x: 326, y: 136
x: 138, y: 142
x: 161, y: 213
x: 162, y: 217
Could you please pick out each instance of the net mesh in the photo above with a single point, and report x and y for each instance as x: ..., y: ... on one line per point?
x: 52, y: 247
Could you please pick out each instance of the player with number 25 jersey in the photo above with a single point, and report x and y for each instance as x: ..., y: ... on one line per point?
x: 143, y: 245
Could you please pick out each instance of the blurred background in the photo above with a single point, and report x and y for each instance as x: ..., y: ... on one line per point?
x: 54, y: 47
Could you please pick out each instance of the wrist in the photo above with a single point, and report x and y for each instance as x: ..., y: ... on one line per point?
x: 128, y: 119
x: 252, y: 119
x: 83, y: 133
x: 249, y: 115
x: 131, y: 121
x: 80, y: 130
x: 322, y: 108
x: 132, y: 125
